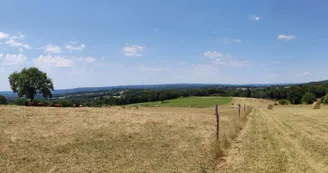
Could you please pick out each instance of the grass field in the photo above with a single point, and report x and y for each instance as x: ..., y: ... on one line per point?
x: 164, y: 139
x: 199, y: 102
x: 112, y: 139
x: 285, y: 139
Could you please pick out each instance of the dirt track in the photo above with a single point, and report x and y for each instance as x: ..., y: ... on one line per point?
x: 286, y: 139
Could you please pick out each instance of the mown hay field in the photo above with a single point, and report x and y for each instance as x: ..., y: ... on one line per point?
x: 198, y: 102
x: 159, y: 139
x: 285, y: 139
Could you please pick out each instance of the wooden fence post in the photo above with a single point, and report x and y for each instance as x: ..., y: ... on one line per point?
x: 217, y: 121
x: 245, y: 111
x: 239, y: 111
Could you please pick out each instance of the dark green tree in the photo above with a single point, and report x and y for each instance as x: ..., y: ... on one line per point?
x: 248, y: 93
x: 3, y: 100
x: 308, y: 98
x: 30, y: 82
x: 162, y: 97
x: 325, y: 99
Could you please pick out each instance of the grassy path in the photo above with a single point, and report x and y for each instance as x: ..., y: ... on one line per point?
x: 286, y: 139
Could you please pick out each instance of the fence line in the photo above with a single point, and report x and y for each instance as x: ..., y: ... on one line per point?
x: 247, y: 110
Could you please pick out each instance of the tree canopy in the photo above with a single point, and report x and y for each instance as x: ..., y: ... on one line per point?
x: 3, y: 100
x: 308, y: 98
x: 30, y: 82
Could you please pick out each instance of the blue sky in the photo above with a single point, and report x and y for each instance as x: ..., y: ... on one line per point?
x: 83, y: 43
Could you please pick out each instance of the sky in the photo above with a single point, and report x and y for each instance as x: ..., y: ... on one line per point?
x: 82, y: 43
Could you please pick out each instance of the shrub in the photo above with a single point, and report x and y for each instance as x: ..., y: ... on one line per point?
x: 308, y: 98
x: 325, y: 99
x: 66, y: 103
x: 20, y: 101
x: 3, y: 100
x: 283, y: 102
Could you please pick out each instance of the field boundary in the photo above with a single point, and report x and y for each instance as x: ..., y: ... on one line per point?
x: 223, y: 143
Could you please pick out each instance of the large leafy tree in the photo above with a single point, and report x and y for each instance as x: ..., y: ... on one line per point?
x: 30, y: 82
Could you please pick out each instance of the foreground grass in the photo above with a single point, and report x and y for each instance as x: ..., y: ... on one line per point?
x: 285, y: 139
x: 109, y: 139
x: 200, y: 102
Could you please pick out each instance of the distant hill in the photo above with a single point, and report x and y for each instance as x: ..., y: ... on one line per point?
x: 157, y: 87
x: 324, y: 82
x: 95, y: 89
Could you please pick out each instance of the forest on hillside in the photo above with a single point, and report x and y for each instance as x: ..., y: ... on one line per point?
x: 296, y: 94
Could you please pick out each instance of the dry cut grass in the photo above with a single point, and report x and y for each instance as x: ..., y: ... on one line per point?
x: 111, y: 139
x: 285, y: 139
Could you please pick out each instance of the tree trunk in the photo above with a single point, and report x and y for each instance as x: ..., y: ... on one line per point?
x: 32, y: 98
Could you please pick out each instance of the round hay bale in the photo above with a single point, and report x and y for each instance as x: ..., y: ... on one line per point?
x: 270, y: 107
x: 316, y: 105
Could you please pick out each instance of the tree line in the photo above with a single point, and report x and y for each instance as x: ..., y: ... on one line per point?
x: 30, y: 82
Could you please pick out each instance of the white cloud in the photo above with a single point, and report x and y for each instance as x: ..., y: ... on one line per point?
x: 232, y: 41
x: 286, y: 37
x: 305, y: 74
x: 3, y: 36
x: 20, y: 50
x: 231, y: 62
x: 56, y: 61
x: 212, y: 55
x: 15, y: 41
x: 73, y: 45
x: 1, y: 55
x: 144, y: 68
x: 12, y: 59
x: 254, y: 17
x: 274, y: 75
x: 87, y: 59
x: 133, y: 50
x: 224, y: 59
x: 52, y: 49
x: 182, y: 63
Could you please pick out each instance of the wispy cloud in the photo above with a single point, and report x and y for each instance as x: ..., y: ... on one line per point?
x: 16, y: 41
x: 61, y: 61
x: 3, y: 35
x: 1, y: 55
x: 73, y: 45
x: 213, y: 54
x: 232, y: 41
x: 153, y: 69
x: 274, y: 75
x: 13, y: 59
x: 52, y: 49
x: 254, y: 17
x: 132, y: 51
x: 286, y: 37
x: 56, y: 61
x: 231, y: 62
x: 224, y: 59
x: 87, y: 59
x: 305, y: 74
